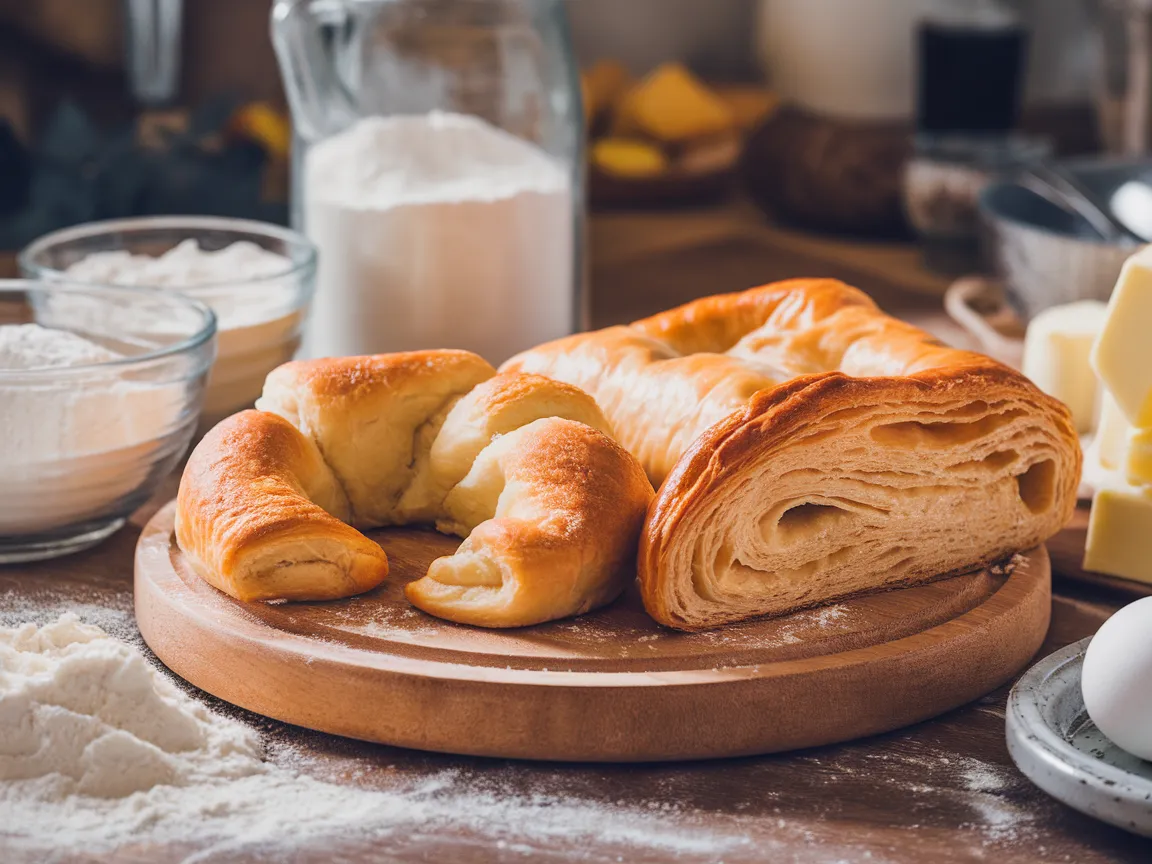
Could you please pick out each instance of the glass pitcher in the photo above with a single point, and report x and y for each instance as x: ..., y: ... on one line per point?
x: 438, y: 166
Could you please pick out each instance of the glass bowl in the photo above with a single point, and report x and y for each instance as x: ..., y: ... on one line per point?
x: 259, y: 318
x: 90, y: 428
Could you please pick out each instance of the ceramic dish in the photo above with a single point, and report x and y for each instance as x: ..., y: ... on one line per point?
x: 1058, y: 747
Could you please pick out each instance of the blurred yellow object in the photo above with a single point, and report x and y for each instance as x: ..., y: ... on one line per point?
x: 1138, y: 460
x: 602, y: 85
x: 708, y: 155
x: 155, y: 129
x: 625, y: 158
x: 672, y: 106
x: 266, y: 126
x: 750, y: 105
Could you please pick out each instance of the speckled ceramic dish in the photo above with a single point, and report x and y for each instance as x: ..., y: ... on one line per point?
x: 1058, y: 747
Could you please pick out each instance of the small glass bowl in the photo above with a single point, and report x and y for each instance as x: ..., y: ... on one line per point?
x: 259, y: 320
x: 82, y: 447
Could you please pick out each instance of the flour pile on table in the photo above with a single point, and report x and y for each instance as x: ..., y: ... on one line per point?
x: 99, y: 749
x: 85, y: 714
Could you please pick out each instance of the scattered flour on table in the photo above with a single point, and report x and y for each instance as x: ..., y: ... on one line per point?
x: 982, y: 777
x: 112, y: 613
x: 986, y: 789
x: 99, y: 750
x: 509, y: 813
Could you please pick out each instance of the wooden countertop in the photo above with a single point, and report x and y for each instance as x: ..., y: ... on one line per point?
x: 942, y: 791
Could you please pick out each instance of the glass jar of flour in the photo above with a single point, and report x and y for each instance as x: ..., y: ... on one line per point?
x: 438, y: 168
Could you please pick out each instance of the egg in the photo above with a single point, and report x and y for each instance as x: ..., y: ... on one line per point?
x: 1117, y: 678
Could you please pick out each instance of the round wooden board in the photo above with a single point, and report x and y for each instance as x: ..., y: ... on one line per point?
x: 609, y: 686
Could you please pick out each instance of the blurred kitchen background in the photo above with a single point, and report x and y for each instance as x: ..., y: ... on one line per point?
x: 846, y: 119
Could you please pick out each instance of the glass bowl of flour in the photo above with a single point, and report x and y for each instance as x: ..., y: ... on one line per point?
x: 258, y: 279
x: 100, y: 395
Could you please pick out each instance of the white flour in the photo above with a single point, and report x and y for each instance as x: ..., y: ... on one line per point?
x: 437, y: 231
x: 405, y: 806
x: 85, y: 714
x: 71, y: 445
x: 30, y: 346
x: 100, y: 750
x: 255, y: 301
x: 221, y: 277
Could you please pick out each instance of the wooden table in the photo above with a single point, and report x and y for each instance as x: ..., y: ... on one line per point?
x: 943, y: 791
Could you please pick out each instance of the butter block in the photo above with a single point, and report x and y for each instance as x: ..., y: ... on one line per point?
x: 626, y: 158
x: 1111, y: 434
x: 1056, y: 350
x: 1120, y: 534
x: 1122, y: 355
x: 602, y: 86
x: 1138, y: 459
x: 672, y: 106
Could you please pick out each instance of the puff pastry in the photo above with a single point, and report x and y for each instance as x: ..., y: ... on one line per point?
x: 519, y: 465
x: 808, y: 448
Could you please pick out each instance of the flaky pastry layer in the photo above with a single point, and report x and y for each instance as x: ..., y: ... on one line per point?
x: 809, y: 447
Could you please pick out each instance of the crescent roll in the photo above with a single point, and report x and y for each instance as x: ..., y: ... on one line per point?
x: 529, y: 500
x: 260, y: 516
x: 809, y: 447
x: 519, y: 465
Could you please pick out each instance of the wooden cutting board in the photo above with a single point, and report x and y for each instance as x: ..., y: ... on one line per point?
x: 609, y: 686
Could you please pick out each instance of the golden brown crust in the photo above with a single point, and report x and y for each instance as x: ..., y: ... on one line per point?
x: 804, y: 439
x: 496, y: 407
x: 514, y: 395
x: 369, y: 415
x: 254, y: 493
x: 742, y: 446
x: 376, y: 375
x: 551, y: 508
x: 581, y: 491
x: 715, y: 324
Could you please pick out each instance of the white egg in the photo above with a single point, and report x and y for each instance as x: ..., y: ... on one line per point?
x: 1117, y: 678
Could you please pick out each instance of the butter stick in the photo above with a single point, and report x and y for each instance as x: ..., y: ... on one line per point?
x: 1122, y: 355
x: 1120, y: 534
x: 1138, y: 457
x: 1111, y: 434
x: 1056, y: 349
